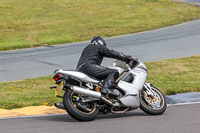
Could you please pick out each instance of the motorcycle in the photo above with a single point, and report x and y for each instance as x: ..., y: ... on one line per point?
x: 83, y: 100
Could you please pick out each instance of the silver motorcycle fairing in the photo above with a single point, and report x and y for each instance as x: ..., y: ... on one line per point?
x: 120, y: 70
x: 130, y: 101
x: 132, y: 89
x: 79, y: 75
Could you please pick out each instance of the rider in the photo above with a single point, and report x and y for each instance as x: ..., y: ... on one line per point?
x: 90, y: 63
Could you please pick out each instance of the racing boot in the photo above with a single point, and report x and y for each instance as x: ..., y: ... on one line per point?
x: 108, y: 83
x: 106, y: 91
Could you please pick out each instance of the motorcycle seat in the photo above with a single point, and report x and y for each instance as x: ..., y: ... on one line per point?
x: 91, y: 76
x: 74, y: 73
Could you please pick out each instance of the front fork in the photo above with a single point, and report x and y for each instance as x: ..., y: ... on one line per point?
x: 148, y: 89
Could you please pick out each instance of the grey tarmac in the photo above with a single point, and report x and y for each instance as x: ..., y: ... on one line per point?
x: 171, y: 42
x: 194, y: 2
x: 177, y: 119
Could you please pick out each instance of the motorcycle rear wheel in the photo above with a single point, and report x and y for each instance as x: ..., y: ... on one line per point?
x: 75, y: 109
x: 153, y: 106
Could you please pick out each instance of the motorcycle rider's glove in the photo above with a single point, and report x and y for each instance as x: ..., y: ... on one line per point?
x: 128, y: 58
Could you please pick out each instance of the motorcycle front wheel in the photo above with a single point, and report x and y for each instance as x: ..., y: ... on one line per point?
x: 155, y: 105
x: 77, y: 109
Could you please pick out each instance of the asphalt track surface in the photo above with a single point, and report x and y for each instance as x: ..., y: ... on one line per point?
x: 177, y: 119
x: 195, y: 2
x: 176, y: 41
x: 171, y: 42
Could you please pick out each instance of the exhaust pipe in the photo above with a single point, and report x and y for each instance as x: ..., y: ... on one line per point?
x: 94, y: 94
x: 86, y: 92
x: 59, y: 105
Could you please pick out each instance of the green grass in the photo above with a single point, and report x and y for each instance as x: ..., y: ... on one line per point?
x: 171, y: 76
x: 31, y: 23
x: 28, y: 92
x: 176, y: 75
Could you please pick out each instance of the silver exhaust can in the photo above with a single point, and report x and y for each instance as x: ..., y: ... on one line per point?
x: 86, y: 92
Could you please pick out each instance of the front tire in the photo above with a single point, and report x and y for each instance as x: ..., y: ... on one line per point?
x: 74, y: 108
x: 155, y: 106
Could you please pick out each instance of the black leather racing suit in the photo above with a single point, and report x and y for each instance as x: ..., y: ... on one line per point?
x: 90, y: 63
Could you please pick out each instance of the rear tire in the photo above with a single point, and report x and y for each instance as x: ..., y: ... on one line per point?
x: 156, y: 106
x: 78, y: 114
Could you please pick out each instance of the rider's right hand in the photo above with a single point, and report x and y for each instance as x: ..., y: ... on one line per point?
x: 128, y: 58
